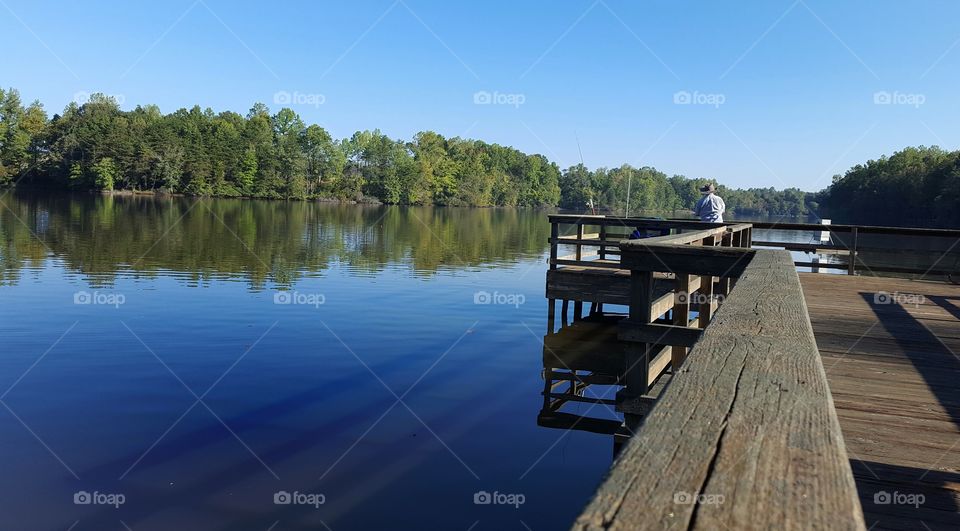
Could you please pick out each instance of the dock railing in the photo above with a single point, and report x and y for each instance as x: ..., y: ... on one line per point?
x: 595, y: 241
x: 746, y: 434
x: 864, y: 247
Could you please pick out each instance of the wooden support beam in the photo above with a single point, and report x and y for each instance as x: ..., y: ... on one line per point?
x: 681, y: 317
x: 705, y: 308
x: 694, y: 260
x: 554, y: 233
x: 637, y: 368
x: 852, y: 266
x: 660, y: 334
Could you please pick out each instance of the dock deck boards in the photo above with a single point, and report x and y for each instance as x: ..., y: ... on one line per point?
x: 894, y: 374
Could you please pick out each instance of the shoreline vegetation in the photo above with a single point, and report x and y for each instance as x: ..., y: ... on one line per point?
x: 96, y: 146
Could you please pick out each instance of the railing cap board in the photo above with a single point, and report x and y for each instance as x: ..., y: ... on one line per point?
x: 689, y: 259
x: 749, y: 418
x: 575, y: 219
x: 861, y: 229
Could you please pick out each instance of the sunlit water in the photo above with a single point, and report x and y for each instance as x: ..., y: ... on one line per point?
x: 200, y: 357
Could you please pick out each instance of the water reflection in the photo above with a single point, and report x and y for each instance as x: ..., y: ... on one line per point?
x: 101, y: 237
x: 583, y: 367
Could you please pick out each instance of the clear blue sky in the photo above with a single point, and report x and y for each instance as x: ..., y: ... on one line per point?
x: 796, y: 81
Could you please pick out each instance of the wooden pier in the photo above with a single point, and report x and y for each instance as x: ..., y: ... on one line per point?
x: 753, y: 395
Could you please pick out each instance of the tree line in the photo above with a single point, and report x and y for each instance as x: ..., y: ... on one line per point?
x: 98, y: 146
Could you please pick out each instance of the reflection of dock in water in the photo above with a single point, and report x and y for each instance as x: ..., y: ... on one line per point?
x: 583, y: 363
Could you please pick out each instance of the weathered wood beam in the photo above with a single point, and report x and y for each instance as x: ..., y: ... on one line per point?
x: 662, y: 334
x: 695, y: 260
x: 747, y: 430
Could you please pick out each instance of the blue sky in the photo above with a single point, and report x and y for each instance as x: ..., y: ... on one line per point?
x: 752, y: 93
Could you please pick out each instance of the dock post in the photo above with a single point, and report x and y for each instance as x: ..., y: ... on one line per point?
x: 852, y: 265
x: 681, y: 317
x: 578, y: 305
x: 602, y: 253
x: 705, y: 307
x: 638, y: 358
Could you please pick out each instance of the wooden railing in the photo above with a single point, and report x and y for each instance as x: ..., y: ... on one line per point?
x: 596, y: 239
x: 860, y: 242
x: 745, y: 435
x: 601, y: 235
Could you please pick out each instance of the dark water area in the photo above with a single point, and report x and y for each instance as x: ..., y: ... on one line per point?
x: 196, y: 363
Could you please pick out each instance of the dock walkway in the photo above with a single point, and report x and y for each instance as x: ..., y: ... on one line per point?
x: 889, y: 350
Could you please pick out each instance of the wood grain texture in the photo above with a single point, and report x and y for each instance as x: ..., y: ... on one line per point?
x: 894, y: 376
x: 749, y: 418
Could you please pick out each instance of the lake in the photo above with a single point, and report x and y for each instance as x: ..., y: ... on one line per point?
x: 241, y: 364
x: 237, y: 364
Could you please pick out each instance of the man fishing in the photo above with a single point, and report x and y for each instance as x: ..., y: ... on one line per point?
x: 710, y: 207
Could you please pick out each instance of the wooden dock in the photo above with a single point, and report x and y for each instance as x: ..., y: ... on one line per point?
x: 771, y: 399
x: 889, y: 351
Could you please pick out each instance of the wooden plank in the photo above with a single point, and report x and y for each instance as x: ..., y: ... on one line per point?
x: 659, y: 333
x: 716, y: 261
x: 893, y: 379
x: 637, y: 371
x: 749, y: 418
x: 681, y: 316
x: 863, y: 229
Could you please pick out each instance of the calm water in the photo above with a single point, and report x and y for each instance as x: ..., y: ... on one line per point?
x: 200, y: 357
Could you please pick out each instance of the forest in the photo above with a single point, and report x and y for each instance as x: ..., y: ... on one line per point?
x: 97, y: 146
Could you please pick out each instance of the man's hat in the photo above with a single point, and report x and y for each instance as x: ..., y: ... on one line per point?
x: 707, y: 189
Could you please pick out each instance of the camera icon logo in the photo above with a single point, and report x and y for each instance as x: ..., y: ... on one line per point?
x: 282, y: 498
x: 82, y: 497
x: 881, y: 297
x: 882, y: 498
x: 482, y: 98
x: 482, y: 498
x: 682, y: 98
x: 282, y: 98
x: 682, y: 498
x: 482, y: 297
x: 282, y: 297
x: 82, y: 297
x: 882, y: 98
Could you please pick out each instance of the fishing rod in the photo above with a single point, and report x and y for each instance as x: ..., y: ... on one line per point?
x: 584, y: 167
